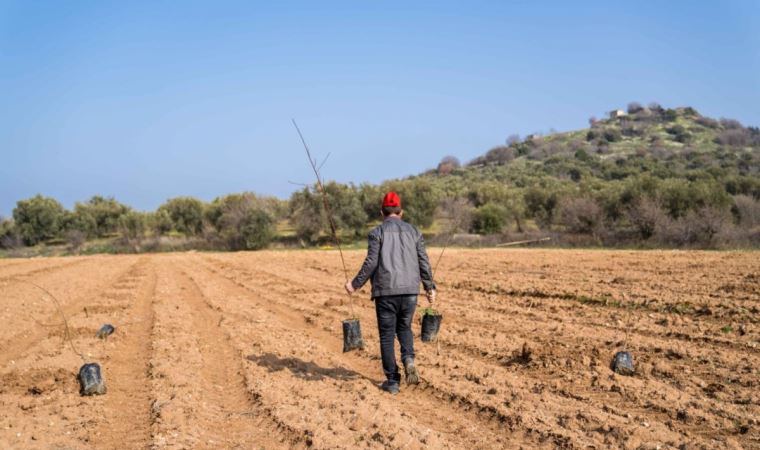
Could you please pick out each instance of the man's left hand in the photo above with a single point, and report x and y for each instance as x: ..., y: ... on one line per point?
x: 350, y: 288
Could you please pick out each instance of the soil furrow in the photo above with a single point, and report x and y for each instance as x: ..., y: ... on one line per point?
x: 37, y: 319
x: 433, y: 411
x: 642, y: 406
x: 126, y: 418
x: 17, y: 274
x: 243, y: 350
x: 202, y: 400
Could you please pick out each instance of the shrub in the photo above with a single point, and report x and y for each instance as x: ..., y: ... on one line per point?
x: 513, y: 139
x: 243, y: 221
x: 747, y: 211
x: 75, y: 238
x: 734, y: 137
x: 580, y: 215
x: 676, y: 197
x: 370, y: 197
x: 730, y: 124
x: 500, y: 155
x: 489, y: 219
x: 707, y: 122
x: 540, y: 204
x: 185, y: 214
x: 669, y: 115
x: 655, y: 107
x: 634, y: 107
x: 679, y: 133
x: 80, y: 221
x: 307, y: 215
x: 310, y: 220
x: 447, y: 165
x: 159, y: 222
x: 698, y: 228
x: 459, y: 213
x: 488, y: 192
x: 38, y: 218
x: 132, y: 226
x: 9, y: 237
x: 646, y: 216
x: 612, y: 135
x: 97, y: 217
x: 702, y: 226
x: 346, y: 207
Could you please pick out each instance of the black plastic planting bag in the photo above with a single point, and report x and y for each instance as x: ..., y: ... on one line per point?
x: 105, y: 331
x: 622, y: 363
x: 352, y: 335
x: 431, y: 324
x: 90, y: 380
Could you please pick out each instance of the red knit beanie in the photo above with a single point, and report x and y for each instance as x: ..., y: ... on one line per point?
x: 391, y: 200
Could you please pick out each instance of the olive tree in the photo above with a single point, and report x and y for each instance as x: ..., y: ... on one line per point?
x: 185, y: 214
x: 38, y: 219
x: 243, y: 221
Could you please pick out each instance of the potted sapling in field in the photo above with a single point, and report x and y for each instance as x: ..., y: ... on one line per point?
x: 90, y: 377
x: 352, y: 335
x: 431, y: 324
x: 352, y: 331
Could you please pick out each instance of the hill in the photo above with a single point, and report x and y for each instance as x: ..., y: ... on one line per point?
x: 666, y: 176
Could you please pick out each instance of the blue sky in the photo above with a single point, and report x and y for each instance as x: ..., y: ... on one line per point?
x: 144, y: 101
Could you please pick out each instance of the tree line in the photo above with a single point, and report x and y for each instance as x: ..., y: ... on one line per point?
x: 243, y: 221
x: 640, y: 210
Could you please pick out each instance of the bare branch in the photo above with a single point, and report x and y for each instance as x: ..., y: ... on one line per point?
x: 321, y: 187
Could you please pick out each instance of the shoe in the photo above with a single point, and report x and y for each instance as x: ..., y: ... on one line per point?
x: 410, y: 370
x: 390, y: 387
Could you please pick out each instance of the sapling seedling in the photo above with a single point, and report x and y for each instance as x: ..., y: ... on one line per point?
x: 429, y: 311
x: 352, y: 337
x: 90, y: 378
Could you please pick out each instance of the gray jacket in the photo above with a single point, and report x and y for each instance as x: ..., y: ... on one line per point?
x: 396, y: 260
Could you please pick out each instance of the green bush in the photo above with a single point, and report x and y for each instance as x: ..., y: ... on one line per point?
x: 489, y: 219
x: 308, y: 215
x: 371, y: 197
x: 540, y: 203
x: 38, y: 219
x: 8, y: 236
x: 612, y: 135
x: 185, y: 214
x: 98, y: 217
x: 679, y: 133
x: 243, y: 221
x: 346, y: 206
x: 253, y: 231
x: 132, y: 226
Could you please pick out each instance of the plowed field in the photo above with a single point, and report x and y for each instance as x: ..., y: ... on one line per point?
x: 244, y: 350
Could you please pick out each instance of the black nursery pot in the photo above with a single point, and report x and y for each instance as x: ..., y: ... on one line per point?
x: 105, y: 331
x: 90, y: 380
x: 352, y: 335
x: 622, y: 363
x: 431, y: 323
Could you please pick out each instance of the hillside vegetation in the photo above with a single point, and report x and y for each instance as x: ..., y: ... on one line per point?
x: 647, y: 176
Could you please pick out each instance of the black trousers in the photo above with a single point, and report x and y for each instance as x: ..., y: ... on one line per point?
x: 394, y: 319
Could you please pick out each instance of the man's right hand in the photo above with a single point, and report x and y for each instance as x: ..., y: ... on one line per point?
x: 430, y: 296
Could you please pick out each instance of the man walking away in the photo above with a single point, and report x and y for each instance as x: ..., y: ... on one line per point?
x: 396, y: 263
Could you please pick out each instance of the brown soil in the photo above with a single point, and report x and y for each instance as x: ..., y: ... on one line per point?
x: 243, y: 350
